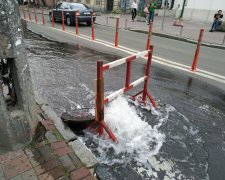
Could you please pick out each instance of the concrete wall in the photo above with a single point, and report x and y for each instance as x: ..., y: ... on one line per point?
x: 206, y: 4
x: 50, y: 3
x: 11, y: 45
x: 200, y: 10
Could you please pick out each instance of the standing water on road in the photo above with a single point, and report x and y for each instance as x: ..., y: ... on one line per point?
x: 183, y: 139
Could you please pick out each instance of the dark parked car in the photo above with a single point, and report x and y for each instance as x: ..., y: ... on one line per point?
x: 69, y: 10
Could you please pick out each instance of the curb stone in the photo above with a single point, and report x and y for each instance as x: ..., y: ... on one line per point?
x: 218, y: 46
x: 84, y: 154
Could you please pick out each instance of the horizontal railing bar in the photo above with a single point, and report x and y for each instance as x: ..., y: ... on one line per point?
x: 123, y: 90
x: 135, y: 83
x: 124, y: 60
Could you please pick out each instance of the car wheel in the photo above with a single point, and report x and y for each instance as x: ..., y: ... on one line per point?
x: 68, y: 21
x: 88, y: 23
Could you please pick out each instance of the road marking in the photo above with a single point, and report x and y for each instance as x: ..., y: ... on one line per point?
x: 156, y: 59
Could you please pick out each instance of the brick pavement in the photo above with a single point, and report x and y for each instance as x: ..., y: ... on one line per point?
x: 50, y: 159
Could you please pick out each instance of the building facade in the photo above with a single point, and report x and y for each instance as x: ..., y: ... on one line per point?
x: 100, y: 5
x: 199, y: 10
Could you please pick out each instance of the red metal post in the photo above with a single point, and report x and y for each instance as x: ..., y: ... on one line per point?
x: 110, y: 133
x: 117, y: 33
x: 29, y: 13
x: 147, y: 74
x: 195, y: 61
x: 128, y: 72
x: 35, y: 15
x: 63, y: 23
x: 100, y: 96
x: 92, y: 27
x: 53, y: 23
x: 149, y: 36
x: 99, y: 103
x: 43, y: 17
x: 76, y: 21
x: 99, y: 69
x: 152, y: 100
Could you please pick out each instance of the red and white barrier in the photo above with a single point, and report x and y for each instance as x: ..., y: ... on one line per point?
x: 128, y: 85
x: 100, y: 100
x: 124, y: 90
x: 124, y: 60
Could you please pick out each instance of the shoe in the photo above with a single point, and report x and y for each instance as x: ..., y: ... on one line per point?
x: 148, y: 24
x: 211, y: 30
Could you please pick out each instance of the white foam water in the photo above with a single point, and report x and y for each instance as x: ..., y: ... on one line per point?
x: 137, y: 140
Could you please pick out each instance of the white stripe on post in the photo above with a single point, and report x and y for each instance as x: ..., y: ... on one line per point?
x: 121, y: 91
x: 123, y: 60
x: 115, y: 94
x: 135, y: 83
x: 116, y: 63
x: 140, y: 54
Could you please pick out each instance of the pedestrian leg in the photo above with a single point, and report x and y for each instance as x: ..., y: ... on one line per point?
x: 213, y: 26
x: 153, y: 15
x: 149, y: 18
x: 132, y: 12
x: 135, y: 13
x: 217, y: 24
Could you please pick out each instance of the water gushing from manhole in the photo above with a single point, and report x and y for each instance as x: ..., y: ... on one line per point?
x: 137, y: 140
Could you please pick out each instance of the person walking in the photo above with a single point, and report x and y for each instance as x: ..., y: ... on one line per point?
x: 217, y: 21
x: 152, y: 7
x: 146, y: 10
x: 134, y: 9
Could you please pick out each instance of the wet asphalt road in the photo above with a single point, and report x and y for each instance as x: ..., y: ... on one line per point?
x: 195, y: 130
x: 210, y: 59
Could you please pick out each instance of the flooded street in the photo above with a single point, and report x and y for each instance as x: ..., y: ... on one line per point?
x: 183, y: 139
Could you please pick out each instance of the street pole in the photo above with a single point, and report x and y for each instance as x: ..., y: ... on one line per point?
x: 164, y: 14
x: 182, y: 11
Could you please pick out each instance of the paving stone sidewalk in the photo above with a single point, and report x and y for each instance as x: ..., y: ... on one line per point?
x: 50, y: 158
x: 190, y: 30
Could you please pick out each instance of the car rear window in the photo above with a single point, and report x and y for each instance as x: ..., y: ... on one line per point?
x: 78, y: 6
